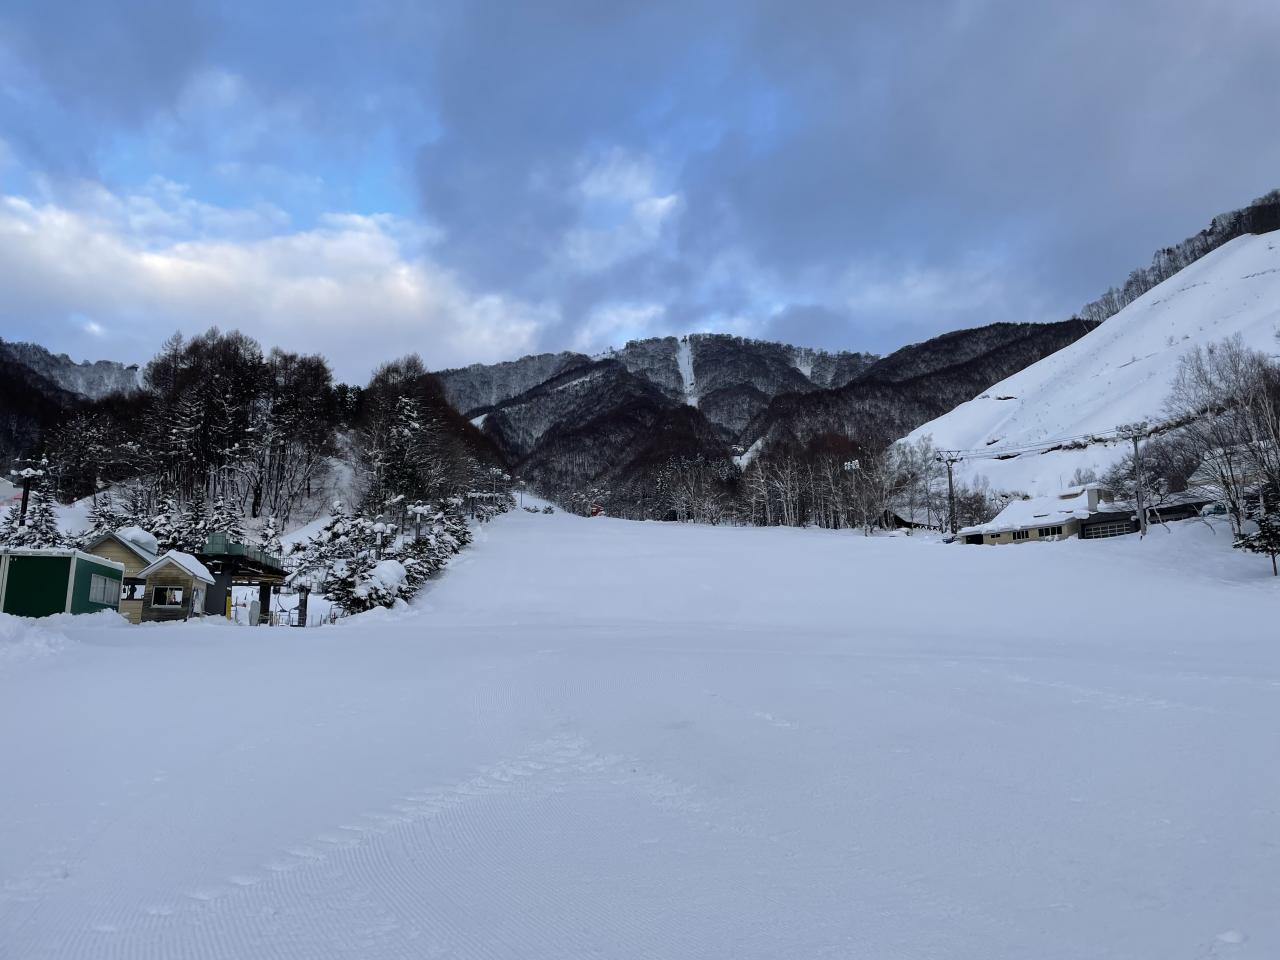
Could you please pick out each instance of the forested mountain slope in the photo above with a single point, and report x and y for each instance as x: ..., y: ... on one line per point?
x: 911, y: 385
x: 616, y: 421
x: 39, y: 389
x: 93, y: 379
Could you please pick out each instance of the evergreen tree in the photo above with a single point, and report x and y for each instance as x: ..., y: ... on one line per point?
x: 196, y: 526
x: 103, y: 517
x: 176, y: 527
x: 9, y: 523
x: 269, y: 537
x: 131, y: 506
x: 226, y: 519
x: 342, y: 562
x: 41, y: 526
x: 456, y: 531
x: 1266, y: 540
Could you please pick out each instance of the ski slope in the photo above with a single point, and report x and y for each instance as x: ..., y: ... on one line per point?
x: 684, y: 363
x: 595, y: 738
x: 1118, y: 373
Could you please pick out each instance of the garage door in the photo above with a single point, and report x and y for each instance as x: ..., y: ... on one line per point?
x: 1111, y: 528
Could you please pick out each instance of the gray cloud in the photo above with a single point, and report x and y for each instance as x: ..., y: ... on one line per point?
x: 850, y: 175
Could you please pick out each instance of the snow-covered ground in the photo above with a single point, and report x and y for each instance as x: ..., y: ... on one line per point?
x: 1119, y: 373
x: 595, y: 738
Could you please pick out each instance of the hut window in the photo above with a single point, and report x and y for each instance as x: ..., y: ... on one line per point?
x: 103, y: 590
x: 166, y: 597
x: 1021, y: 534
x: 1054, y: 531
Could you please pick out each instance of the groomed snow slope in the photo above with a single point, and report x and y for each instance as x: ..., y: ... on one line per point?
x: 602, y: 739
x: 1117, y: 373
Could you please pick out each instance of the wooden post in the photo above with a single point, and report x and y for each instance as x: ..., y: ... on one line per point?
x: 264, y: 603
x: 302, y: 605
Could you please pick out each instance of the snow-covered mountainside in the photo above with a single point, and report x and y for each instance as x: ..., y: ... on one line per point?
x: 626, y: 740
x: 88, y: 379
x: 1119, y: 373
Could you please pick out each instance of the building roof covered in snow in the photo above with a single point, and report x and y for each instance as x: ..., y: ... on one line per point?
x: 134, y: 539
x: 185, y: 561
x: 1077, y: 504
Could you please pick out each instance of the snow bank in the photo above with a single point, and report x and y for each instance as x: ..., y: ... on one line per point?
x: 26, y: 638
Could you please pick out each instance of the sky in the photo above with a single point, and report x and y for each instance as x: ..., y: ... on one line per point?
x: 474, y: 181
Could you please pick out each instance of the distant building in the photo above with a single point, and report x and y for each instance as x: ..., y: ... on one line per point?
x: 1087, y: 512
x: 40, y: 582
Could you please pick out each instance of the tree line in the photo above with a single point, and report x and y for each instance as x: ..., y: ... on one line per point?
x: 224, y: 438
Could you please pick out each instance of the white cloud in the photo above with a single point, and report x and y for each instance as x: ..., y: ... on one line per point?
x: 353, y: 287
x: 622, y: 210
x: 613, y: 324
x: 93, y: 327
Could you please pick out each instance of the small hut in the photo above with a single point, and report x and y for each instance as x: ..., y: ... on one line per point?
x: 39, y: 582
x: 136, y: 550
x: 175, y: 587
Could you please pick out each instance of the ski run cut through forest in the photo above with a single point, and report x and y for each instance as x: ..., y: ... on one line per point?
x: 597, y: 738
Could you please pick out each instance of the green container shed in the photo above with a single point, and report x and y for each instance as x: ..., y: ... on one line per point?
x: 37, y: 583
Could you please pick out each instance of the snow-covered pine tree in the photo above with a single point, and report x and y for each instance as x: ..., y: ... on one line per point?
x: 226, y: 519
x: 164, y: 524
x: 341, y: 561
x: 9, y: 523
x: 346, y: 582
x: 421, y: 557
x: 175, y: 527
x: 334, y: 541
x: 456, y: 528
x: 41, y: 526
x: 1265, y: 540
x: 131, y: 505
x: 103, y: 517
x: 269, y: 537
x: 195, y: 527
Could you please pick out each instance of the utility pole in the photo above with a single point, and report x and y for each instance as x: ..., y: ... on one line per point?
x: 1134, y: 432
x: 27, y: 475
x: 950, y: 458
